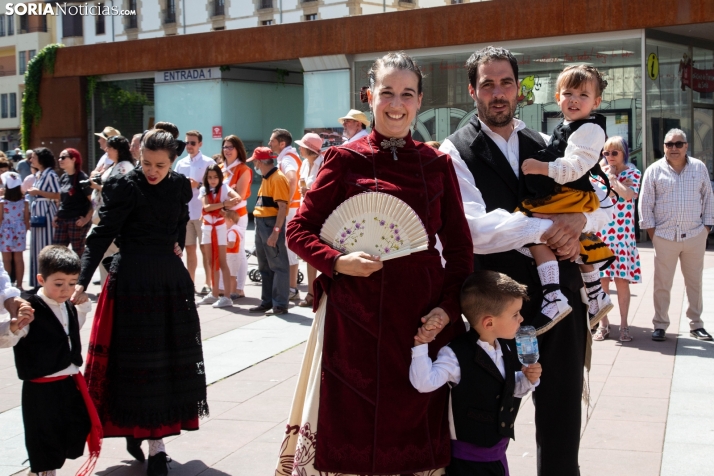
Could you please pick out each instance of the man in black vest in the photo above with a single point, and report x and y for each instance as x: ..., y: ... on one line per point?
x: 487, y: 155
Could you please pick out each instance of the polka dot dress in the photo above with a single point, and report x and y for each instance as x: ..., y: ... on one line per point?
x: 620, y: 234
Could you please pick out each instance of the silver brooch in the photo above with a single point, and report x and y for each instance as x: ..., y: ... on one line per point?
x: 393, y: 144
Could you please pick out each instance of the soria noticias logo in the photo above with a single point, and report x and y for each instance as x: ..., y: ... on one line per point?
x: 57, y: 8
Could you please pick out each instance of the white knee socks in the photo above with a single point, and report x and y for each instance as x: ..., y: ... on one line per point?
x: 549, y: 274
x: 592, y: 288
x: 156, y: 447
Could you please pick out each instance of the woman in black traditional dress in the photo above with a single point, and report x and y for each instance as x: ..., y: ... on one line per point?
x: 145, y: 368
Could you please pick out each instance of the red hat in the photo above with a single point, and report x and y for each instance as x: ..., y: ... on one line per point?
x: 262, y: 153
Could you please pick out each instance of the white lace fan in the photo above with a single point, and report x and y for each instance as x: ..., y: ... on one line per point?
x: 375, y: 223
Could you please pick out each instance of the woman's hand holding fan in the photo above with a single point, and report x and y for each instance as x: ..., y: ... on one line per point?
x: 377, y: 224
x: 358, y: 263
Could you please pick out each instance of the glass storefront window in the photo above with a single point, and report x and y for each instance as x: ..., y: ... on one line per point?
x: 126, y: 105
x: 668, y: 100
x: 447, y: 105
x: 704, y: 62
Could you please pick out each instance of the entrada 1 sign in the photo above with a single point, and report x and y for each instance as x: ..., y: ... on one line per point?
x: 188, y: 74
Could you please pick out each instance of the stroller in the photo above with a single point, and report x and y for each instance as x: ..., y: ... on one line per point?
x: 254, y: 274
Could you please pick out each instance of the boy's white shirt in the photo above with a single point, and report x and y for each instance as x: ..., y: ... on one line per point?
x: 427, y: 376
x: 10, y: 339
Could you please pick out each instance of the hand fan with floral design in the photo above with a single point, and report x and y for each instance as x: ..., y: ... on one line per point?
x: 376, y: 223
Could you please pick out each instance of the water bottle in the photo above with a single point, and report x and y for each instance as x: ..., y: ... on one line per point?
x: 527, y: 345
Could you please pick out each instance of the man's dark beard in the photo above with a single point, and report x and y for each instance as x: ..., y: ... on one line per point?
x: 500, y: 120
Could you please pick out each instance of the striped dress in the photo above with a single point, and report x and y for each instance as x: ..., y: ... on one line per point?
x: 48, y: 181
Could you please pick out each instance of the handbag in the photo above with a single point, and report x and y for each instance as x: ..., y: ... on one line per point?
x: 38, y: 221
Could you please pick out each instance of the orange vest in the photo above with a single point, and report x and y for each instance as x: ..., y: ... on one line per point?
x: 295, y: 203
x: 238, y: 172
x: 214, y: 198
x: 236, y: 248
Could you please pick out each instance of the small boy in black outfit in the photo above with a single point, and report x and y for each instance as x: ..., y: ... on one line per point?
x: 56, y: 409
x: 480, y: 366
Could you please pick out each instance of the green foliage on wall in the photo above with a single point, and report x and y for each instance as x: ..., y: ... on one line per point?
x: 117, y: 98
x: 91, y: 86
x: 44, y: 61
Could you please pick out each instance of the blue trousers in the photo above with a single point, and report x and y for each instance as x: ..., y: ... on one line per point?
x: 273, y: 264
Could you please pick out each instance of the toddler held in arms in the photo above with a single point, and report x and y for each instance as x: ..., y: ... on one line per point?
x: 558, y: 181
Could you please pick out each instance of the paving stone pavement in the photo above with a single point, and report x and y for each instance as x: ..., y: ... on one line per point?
x: 651, y: 410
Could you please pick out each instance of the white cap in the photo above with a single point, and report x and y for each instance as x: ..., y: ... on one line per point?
x: 11, y: 179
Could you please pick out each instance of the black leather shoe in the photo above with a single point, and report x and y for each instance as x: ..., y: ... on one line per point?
x: 658, y: 335
x: 133, y: 446
x: 700, y: 334
x: 157, y: 465
x: 276, y: 311
x: 260, y: 308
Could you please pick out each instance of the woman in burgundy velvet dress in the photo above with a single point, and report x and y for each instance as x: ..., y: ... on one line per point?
x: 354, y: 394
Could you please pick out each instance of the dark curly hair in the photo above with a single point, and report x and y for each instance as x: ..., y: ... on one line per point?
x: 122, y: 146
x: 45, y: 158
x: 486, y: 55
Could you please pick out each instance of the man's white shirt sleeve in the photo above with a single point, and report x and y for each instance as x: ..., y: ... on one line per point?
x: 498, y: 230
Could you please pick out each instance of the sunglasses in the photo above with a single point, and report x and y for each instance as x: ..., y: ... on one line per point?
x: 679, y: 144
x: 191, y: 142
x: 614, y: 153
x: 228, y: 147
x: 62, y: 157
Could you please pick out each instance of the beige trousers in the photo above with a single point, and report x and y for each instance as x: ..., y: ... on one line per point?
x: 690, y: 254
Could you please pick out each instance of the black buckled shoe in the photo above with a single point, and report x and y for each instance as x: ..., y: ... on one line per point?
x: 260, y: 308
x: 700, y: 334
x: 658, y: 335
x: 158, y: 465
x: 133, y: 446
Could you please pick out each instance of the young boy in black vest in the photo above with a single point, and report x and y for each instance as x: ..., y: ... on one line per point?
x: 56, y: 409
x: 480, y: 366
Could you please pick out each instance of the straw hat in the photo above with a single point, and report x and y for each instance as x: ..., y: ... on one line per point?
x: 262, y: 153
x: 311, y: 141
x: 108, y: 132
x: 355, y: 115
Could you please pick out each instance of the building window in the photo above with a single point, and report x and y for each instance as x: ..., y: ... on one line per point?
x: 456, y: 2
x: 3, y: 108
x: 99, y: 28
x: 10, y: 25
x: 13, y: 104
x: 311, y: 17
x: 219, y: 7
x: 22, y: 61
x: 266, y: 22
x: 24, y: 24
x: 72, y: 26
x: 2, y: 25
x: 266, y: 4
x: 132, y: 20
x: 170, y: 12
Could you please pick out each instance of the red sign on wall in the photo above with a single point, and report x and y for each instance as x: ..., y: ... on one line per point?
x: 217, y: 132
x: 700, y: 80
